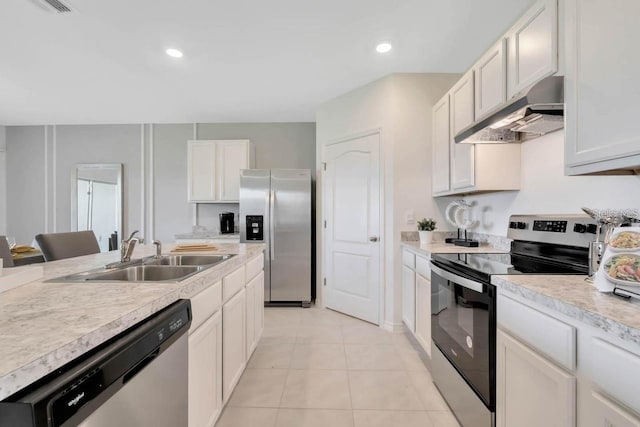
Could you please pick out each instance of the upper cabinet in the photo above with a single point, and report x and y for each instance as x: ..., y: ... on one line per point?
x: 462, y: 115
x: 601, y: 86
x: 441, y: 146
x: 214, y: 169
x: 533, y: 46
x: 467, y: 168
x: 491, y: 79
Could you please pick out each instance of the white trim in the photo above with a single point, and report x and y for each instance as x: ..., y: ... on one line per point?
x: 143, y: 192
x: 151, y: 186
x: 320, y: 244
x: 46, y: 179
x: 392, y: 327
x: 194, y: 217
x: 54, y: 178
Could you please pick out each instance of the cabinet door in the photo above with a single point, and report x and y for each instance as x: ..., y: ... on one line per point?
x: 232, y: 157
x: 491, y: 80
x: 605, y: 412
x: 423, y: 313
x: 601, y: 84
x: 201, y: 171
x: 409, y: 297
x: 531, y: 391
x: 233, y: 343
x: 441, y: 146
x: 259, y: 307
x: 205, y: 372
x: 462, y: 115
x: 250, y: 312
x: 533, y: 46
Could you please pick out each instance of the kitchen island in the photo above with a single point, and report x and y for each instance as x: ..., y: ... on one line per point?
x: 43, y: 326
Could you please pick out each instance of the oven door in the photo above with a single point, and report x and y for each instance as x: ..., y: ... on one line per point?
x: 463, y: 327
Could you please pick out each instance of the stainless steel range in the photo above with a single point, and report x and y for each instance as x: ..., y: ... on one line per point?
x: 463, y: 304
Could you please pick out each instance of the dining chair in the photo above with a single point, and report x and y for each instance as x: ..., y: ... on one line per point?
x: 5, y: 252
x: 55, y: 246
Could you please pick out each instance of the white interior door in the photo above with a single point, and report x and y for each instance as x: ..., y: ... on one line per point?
x: 352, y: 234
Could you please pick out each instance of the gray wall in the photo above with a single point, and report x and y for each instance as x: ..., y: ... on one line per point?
x: 3, y: 182
x: 40, y: 160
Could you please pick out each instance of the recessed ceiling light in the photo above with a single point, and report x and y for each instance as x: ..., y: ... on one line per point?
x: 384, y: 47
x: 174, y: 53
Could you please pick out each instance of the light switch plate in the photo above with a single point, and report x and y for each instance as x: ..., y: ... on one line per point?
x: 410, y: 217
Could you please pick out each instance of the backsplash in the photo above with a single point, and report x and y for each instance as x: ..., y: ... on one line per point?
x: 499, y: 242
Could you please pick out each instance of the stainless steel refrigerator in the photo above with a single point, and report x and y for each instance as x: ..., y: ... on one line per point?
x: 275, y: 209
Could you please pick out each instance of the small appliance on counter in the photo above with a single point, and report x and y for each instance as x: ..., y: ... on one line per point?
x: 457, y: 214
x: 464, y: 305
x: 227, y: 223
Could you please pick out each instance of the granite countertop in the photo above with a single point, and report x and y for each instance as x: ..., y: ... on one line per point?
x: 448, y: 248
x: 573, y: 297
x: 46, y: 325
x: 208, y: 235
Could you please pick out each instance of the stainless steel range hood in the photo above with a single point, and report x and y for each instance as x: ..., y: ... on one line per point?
x: 535, y: 111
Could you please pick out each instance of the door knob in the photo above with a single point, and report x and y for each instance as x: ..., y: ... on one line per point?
x: 373, y: 238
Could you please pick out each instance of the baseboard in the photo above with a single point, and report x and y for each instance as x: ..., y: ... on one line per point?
x: 393, y: 327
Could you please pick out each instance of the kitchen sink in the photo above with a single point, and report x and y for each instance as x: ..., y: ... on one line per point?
x: 146, y: 273
x: 189, y: 260
x: 168, y: 269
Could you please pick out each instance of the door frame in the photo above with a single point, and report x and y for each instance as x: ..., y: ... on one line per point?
x: 382, y: 236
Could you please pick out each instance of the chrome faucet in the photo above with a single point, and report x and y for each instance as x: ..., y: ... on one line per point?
x: 158, y: 245
x: 127, y: 247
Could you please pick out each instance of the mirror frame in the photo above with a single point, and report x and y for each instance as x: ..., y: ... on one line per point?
x: 117, y: 167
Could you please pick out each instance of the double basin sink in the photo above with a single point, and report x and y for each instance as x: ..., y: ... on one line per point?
x: 170, y: 268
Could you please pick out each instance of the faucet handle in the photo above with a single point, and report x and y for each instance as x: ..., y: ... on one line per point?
x: 158, y: 245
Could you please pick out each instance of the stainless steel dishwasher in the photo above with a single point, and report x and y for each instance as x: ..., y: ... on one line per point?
x: 138, y: 379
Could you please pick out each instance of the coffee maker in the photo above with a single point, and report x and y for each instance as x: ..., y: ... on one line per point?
x: 227, y: 224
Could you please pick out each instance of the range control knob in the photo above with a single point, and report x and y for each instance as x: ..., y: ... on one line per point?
x: 592, y: 228
x: 580, y: 228
x: 521, y: 225
x: 513, y: 224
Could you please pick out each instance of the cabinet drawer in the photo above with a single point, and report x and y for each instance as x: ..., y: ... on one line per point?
x: 254, y: 267
x: 204, y: 304
x: 422, y: 267
x: 232, y: 283
x: 408, y: 259
x: 549, y: 336
x: 616, y: 371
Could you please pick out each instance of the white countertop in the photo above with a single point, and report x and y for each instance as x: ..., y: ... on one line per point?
x: 43, y: 326
x: 449, y: 248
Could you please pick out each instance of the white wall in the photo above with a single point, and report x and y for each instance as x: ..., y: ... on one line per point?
x: 400, y: 106
x: 3, y: 181
x: 545, y: 189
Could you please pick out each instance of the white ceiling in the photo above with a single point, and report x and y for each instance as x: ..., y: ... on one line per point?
x: 244, y: 60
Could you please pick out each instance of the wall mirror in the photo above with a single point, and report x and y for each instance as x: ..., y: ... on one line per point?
x: 96, y: 201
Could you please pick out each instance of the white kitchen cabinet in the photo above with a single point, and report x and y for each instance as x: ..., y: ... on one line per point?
x: 605, y: 412
x: 250, y: 311
x: 491, y: 79
x: 205, y: 372
x: 233, y: 342
x: 441, y: 147
x: 409, y: 297
x: 259, y: 307
x: 533, y: 46
x: 531, y: 391
x: 214, y: 169
x: 423, y: 313
x: 462, y: 115
x: 601, y: 86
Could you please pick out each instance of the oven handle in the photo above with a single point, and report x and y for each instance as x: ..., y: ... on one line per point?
x: 458, y: 280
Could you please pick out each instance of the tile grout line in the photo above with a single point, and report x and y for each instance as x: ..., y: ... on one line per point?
x: 346, y: 362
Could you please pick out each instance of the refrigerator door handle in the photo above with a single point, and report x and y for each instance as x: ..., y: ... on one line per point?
x: 272, y: 205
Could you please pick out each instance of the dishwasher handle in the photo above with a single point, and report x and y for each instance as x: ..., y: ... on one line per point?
x: 140, y: 366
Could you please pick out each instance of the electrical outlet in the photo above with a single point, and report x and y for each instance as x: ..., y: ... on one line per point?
x: 410, y: 217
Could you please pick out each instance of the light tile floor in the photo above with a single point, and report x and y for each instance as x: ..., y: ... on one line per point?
x: 317, y: 368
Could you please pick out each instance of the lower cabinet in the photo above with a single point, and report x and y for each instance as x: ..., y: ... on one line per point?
x: 423, y: 313
x: 259, y: 306
x: 605, y: 412
x: 251, y: 317
x: 233, y: 342
x: 205, y: 372
x: 531, y: 391
x: 409, y: 297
